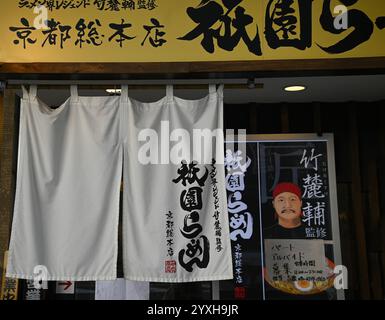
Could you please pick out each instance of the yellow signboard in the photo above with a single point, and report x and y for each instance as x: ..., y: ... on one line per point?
x: 189, y: 30
x: 9, y: 287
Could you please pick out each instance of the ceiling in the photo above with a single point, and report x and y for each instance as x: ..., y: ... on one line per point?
x: 268, y: 90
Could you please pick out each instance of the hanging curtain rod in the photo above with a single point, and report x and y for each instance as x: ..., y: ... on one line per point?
x: 137, y: 84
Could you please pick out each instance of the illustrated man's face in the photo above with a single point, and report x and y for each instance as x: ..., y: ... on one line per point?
x: 288, y: 206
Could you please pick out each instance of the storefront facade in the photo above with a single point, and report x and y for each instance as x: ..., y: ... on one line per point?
x: 209, y: 42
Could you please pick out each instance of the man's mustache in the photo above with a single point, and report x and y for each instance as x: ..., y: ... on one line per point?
x: 288, y: 211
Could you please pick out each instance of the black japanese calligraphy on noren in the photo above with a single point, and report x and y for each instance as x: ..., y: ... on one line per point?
x: 198, y: 247
x: 157, y: 40
x: 170, y: 233
x: 188, y: 173
x: 119, y: 33
x: 191, y: 199
x: 362, y: 27
x: 23, y: 33
x: 209, y: 13
x: 284, y: 29
x: 198, y: 250
x: 191, y: 227
x: 216, y: 214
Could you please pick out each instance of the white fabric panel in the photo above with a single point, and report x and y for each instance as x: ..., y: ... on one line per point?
x: 175, y: 223
x: 67, y: 193
x: 121, y: 289
x: 150, y: 194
